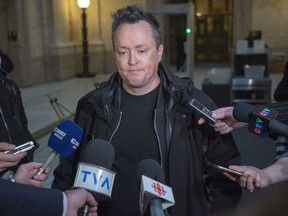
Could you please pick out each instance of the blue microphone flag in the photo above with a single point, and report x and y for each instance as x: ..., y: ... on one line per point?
x: 65, y: 138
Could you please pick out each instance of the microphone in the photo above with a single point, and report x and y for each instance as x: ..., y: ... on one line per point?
x: 261, y: 120
x: 93, y: 172
x: 153, y: 191
x: 64, y: 139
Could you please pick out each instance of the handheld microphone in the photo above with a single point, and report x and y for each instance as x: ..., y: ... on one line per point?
x: 153, y: 192
x: 93, y: 172
x: 261, y: 120
x: 64, y: 139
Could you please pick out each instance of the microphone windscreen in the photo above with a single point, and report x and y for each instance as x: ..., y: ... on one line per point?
x: 98, y: 152
x: 242, y: 111
x: 65, y: 138
x: 151, y: 169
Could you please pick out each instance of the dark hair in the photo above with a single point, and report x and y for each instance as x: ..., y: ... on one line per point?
x: 6, y: 65
x: 133, y: 14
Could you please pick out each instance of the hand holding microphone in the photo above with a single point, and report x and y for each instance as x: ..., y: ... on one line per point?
x: 25, y: 174
x: 64, y: 139
x: 261, y: 120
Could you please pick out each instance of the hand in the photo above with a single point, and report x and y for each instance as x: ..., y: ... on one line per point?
x: 77, y: 198
x: 252, y: 178
x: 25, y: 174
x: 9, y: 160
x: 225, y: 121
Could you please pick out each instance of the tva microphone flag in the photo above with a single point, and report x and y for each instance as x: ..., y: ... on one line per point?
x: 64, y: 139
x: 93, y: 173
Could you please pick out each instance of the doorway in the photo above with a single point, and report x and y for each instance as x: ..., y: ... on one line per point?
x: 213, y: 30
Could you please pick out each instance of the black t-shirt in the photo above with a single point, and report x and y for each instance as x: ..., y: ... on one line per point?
x: 134, y: 141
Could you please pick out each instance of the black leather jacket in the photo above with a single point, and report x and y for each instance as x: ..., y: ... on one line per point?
x: 13, y: 121
x: 182, y: 144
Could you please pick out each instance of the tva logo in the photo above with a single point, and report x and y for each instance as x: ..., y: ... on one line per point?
x: 98, y: 180
x: 258, y: 126
x: 94, y: 178
x: 265, y: 112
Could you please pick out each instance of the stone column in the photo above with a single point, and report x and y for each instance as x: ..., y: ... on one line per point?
x: 242, y: 19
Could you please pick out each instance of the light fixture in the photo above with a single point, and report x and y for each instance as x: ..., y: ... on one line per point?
x: 84, y: 4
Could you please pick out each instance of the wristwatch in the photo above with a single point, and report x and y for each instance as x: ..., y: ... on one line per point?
x: 10, y: 177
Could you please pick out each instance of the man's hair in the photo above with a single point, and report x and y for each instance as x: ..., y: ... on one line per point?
x: 134, y: 14
x: 6, y: 65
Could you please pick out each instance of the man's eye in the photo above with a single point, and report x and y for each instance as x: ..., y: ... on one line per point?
x: 121, y: 53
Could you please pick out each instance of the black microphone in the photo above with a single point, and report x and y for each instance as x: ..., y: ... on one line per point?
x: 261, y: 120
x: 93, y: 172
x: 153, y: 192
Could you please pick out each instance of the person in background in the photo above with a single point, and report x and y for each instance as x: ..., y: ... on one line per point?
x: 252, y: 178
x: 281, y: 91
x: 141, y: 110
x: 13, y: 122
x: 17, y: 199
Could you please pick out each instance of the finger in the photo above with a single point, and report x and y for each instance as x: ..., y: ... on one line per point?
x: 35, y: 183
x: 228, y: 130
x: 223, y: 130
x: 47, y: 170
x: 250, y: 182
x: 258, y: 181
x: 243, y: 181
x: 13, y: 157
x: 201, y: 121
x: 232, y: 177
x: 218, y: 114
x: 6, y: 146
x: 90, y: 200
x: 41, y: 177
x: 241, y: 169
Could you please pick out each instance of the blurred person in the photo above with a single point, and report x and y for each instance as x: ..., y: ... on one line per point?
x: 141, y: 111
x: 13, y: 121
x: 25, y: 172
x: 17, y: 199
x: 281, y: 91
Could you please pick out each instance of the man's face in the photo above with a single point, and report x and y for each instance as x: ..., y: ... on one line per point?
x: 137, y: 57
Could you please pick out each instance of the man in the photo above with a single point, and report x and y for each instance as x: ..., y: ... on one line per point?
x: 141, y: 110
x: 17, y: 199
x: 13, y: 121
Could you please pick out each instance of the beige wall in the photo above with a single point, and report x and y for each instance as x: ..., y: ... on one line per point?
x: 49, y: 45
x: 271, y: 18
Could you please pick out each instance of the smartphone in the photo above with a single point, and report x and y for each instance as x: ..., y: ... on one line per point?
x: 21, y: 148
x: 202, y: 110
x: 233, y: 172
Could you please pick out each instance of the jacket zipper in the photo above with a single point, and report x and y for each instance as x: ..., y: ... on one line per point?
x: 5, y: 124
x: 166, y: 213
x: 158, y: 140
x: 116, y: 128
